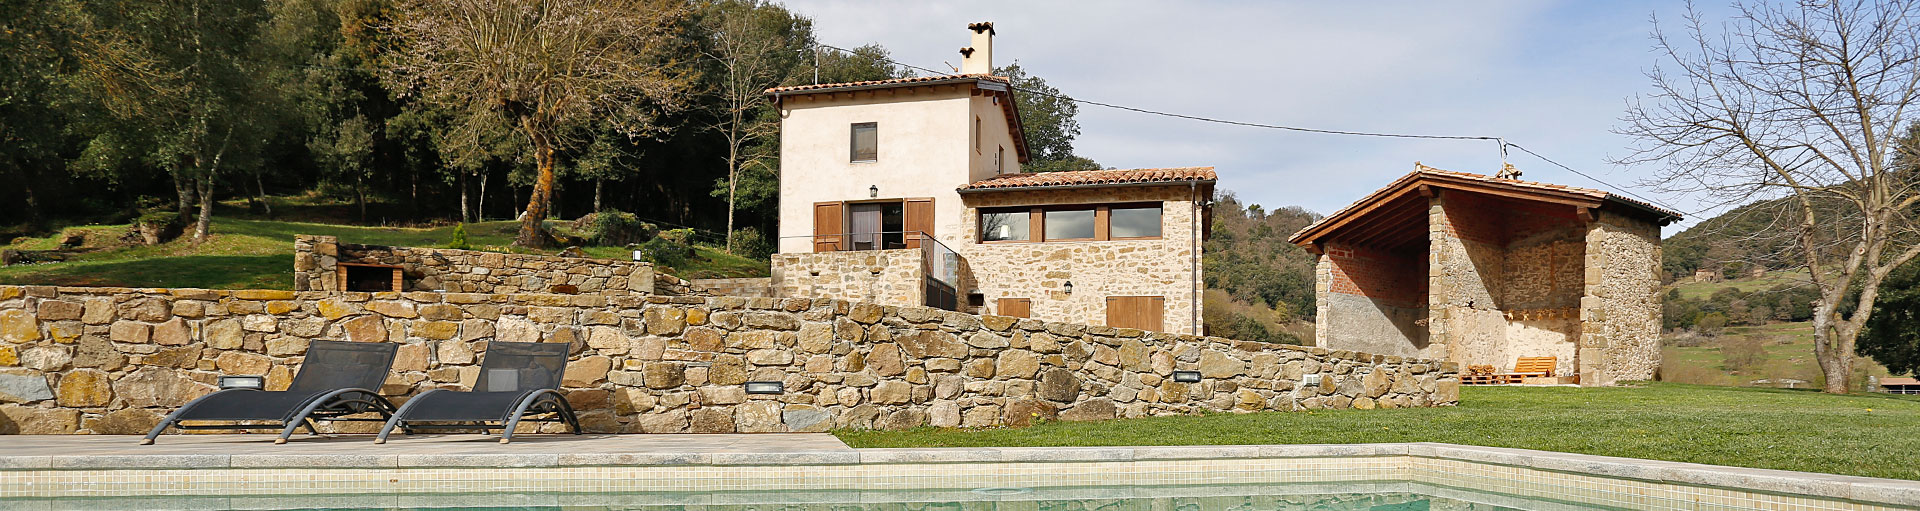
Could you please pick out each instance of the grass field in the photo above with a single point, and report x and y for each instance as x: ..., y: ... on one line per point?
x: 1761, y: 283
x: 249, y: 253
x: 1784, y: 351
x: 1863, y: 434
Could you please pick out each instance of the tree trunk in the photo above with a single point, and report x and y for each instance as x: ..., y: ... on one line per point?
x: 531, y: 233
x: 733, y: 171
x: 33, y: 201
x: 599, y: 190
x: 360, y: 196
x: 183, y: 188
x: 260, y: 188
x: 466, y: 215
x: 203, y: 226
x: 480, y: 206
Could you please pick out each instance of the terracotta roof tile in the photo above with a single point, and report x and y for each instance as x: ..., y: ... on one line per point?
x: 895, y: 81
x: 1093, y: 178
x: 1423, y: 172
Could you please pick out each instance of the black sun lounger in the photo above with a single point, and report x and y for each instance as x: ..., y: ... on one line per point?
x: 337, y: 379
x: 518, y: 381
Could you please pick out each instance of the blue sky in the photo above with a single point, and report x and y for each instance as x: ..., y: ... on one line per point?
x: 1551, y: 76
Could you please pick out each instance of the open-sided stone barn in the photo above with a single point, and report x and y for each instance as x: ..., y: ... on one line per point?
x: 1481, y: 270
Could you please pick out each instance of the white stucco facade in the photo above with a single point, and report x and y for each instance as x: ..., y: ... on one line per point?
x: 925, y: 150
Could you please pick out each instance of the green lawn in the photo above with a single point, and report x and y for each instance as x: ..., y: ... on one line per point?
x: 1763, y: 282
x: 1864, y: 434
x: 247, y: 253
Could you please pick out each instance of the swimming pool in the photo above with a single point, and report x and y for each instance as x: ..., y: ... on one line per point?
x: 1229, y: 478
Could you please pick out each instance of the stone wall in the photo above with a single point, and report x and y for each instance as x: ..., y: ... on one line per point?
x: 891, y: 277
x: 1167, y: 267
x: 1377, y: 297
x: 112, y: 361
x: 1507, y: 280
x: 1620, y: 310
x: 747, y: 287
x: 317, y: 258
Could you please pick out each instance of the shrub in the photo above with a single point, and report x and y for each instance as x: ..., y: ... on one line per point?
x: 460, y: 238
x: 749, y: 243
x: 158, y: 226
x: 669, y: 249
x: 613, y: 228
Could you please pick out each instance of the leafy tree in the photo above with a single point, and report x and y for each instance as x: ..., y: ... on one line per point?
x: 178, y: 78
x: 1047, y: 117
x: 1803, y: 101
x: 548, y: 67
x: 753, y: 46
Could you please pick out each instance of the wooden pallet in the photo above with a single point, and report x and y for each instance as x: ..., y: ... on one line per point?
x: 1489, y: 379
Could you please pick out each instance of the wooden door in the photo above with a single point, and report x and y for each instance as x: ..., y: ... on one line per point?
x: 1141, y: 312
x: 829, y: 226
x: 1016, y: 307
x: 919, y: 219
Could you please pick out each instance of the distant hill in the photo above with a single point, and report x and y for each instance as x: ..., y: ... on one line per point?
x: 1259, y: 286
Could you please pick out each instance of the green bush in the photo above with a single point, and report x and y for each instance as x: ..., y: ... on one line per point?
x: 670, y: 248
x: 460, y: 238
x: 749, y: 243
x: 613, y: 228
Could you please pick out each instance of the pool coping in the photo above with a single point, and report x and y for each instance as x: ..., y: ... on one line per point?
x: 1833, y: 486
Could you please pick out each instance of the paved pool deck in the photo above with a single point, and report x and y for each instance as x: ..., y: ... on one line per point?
x: 362, y: 445
x: 38, y: 465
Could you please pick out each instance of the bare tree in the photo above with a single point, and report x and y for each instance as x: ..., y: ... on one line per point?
x: 754, y: 46
x: 549, y: 67
x: 1802, y: 104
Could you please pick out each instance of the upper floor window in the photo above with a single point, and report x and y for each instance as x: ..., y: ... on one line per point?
x: 1128, y: 222
x: 1089, y: 222
x: 1000, y: 161
x: 976, y: 135
x: 866, y: 142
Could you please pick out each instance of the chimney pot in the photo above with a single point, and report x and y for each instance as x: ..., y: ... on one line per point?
x: 978, y: 57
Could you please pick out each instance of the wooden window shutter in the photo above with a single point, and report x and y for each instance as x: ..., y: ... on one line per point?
x: 829, y: 226
x: 919, y: 219
x: 1016, y: 307
x: 1141, y: 312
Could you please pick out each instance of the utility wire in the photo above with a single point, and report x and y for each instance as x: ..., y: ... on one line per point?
x: 1503, y: 143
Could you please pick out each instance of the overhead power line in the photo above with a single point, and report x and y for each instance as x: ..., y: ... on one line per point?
x: 1503, y: 143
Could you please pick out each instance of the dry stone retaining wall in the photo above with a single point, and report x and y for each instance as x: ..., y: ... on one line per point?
x: 112, y: 360
x: 317, y: 259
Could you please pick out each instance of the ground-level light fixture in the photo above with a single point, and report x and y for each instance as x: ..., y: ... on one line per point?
x: 243, y: 382
x: 766, y: 387
x: 1067, y: 288
x: 1186, y: 376
x: 873, y: 191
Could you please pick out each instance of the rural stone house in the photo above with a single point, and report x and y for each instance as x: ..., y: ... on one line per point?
x: 1481, y: 270
x: 910, y: 192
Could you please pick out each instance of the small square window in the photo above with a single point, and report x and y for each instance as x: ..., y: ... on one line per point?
x: 866, y: 141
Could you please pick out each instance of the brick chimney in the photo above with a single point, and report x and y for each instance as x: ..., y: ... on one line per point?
x: 978, y: 58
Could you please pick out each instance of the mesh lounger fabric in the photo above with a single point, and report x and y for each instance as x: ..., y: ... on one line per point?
x: 329, y: 366
x: 512, y: 375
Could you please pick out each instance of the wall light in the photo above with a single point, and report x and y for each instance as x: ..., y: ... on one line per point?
x: 766, y: 387
x: 1186, y: 376
x: 1067, y: 288
x: 242, y: 382
x: 1311, y: 379
x: 873, y: 191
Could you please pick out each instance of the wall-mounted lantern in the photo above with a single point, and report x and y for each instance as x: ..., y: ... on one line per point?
x: 243, y: 382
x: 1067, y: 288
x: 873, y: 191
x: 1186, y: 376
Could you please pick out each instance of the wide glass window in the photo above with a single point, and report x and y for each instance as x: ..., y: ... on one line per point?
x: 866, y: 141
x: 1069, y: 224
x: 1005, y: 226
x: 1135, y: 222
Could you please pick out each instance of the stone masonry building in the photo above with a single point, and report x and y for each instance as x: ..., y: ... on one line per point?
x: 910, y: 192
x: 1480, y: 270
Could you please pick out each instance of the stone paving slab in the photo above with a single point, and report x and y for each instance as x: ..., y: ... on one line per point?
x: 88, y: 452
